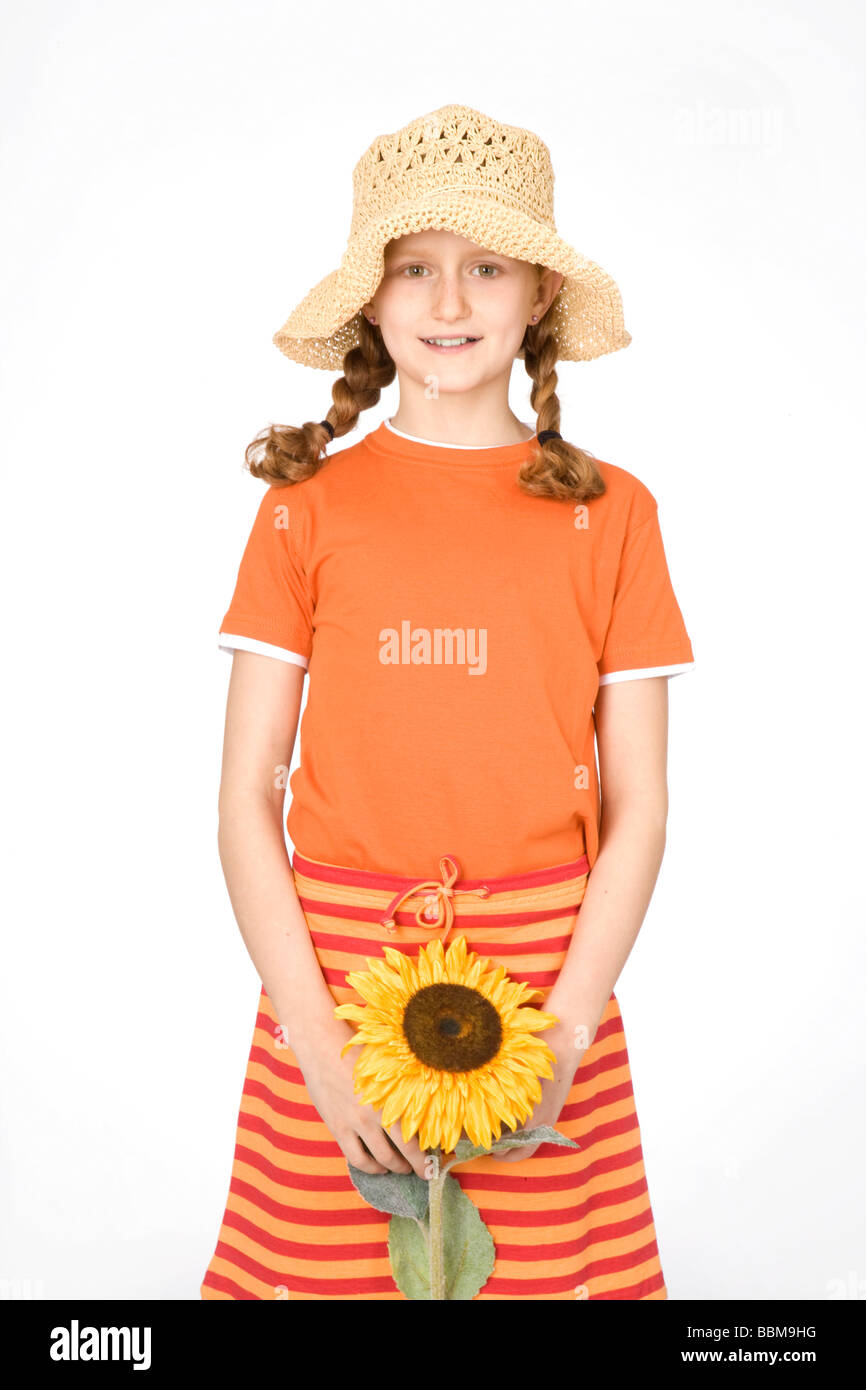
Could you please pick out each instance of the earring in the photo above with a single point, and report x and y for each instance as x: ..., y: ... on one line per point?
x: 534, y: 317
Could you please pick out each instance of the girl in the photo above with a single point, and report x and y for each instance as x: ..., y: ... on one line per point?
x: 475, y: 600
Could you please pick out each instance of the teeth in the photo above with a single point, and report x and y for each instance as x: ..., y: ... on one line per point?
x: 449, y: 342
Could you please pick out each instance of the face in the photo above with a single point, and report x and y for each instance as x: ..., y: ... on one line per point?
x: 439, y: 285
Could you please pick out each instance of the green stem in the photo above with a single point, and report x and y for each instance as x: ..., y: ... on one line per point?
x: 437, y: 1248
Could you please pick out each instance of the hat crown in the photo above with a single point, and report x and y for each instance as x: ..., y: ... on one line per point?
x: 453, y: 149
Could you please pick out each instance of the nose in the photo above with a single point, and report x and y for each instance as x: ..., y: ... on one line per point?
x: 449, y: 300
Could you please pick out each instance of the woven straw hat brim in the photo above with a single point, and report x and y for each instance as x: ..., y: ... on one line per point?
x: 586, y: 313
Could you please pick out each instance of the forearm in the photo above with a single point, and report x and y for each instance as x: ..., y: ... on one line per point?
x: 261, y: 887
x: 618, y: 892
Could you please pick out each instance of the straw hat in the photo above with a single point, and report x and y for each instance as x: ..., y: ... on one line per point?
x: 458, y: 170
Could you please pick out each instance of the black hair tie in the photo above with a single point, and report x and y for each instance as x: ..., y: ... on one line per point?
x: 548, y: 434
x: 328, y: 426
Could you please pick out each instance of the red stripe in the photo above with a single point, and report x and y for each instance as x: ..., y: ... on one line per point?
x: 525, y: 1288
x: 284, y: 1071
x: 562, y: 1249
x: 538, y: 979
x: 319, y: 1148
x: 579, y: 1108
x: 305, y: 1216
x: 304, y: 1250
x: 552, y: 1182
x: 293, y: 1182
x: 224, y: 1285
x: 636, y: 1291
x: 292, y: 1109
x: 509, y: 1220
x: 526, y: 1220
x: 652, y: 1284
x: 301, y: 1284
x: 357, y: 946
x: 614, y: 1264
x: 324, y: 907
x: 369, y: 878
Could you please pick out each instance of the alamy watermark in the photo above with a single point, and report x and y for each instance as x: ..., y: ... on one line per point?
x: 438, y: 646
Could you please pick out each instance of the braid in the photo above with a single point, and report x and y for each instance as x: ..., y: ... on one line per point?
x: 283, y: 454
x: 557, y: 469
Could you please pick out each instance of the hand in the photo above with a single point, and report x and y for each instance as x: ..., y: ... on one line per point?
x: 554, y: 1092
x: 356, y: 1127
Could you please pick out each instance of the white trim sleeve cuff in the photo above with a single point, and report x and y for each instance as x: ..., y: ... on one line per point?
x: 645, y: 671
x: 232, y: 642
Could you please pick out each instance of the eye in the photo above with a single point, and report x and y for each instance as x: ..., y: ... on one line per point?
x: 413, y: 267
x: 494, y: 268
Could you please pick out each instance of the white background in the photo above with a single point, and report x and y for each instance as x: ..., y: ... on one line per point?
x: 175, y: 177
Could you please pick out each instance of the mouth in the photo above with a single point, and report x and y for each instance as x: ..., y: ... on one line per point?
x: 455, y: 344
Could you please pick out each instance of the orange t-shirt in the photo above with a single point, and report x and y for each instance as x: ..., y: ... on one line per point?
x: 455, y: 631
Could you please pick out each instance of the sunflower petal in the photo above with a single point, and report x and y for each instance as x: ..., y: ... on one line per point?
x: 532, y: 1020
x: 394, y: 1107
x: 455, y: 961
x: 368, y: 987
x: 357, y: 1012
x: 408, y: 1126
x: 405, y: 966
x: 425, y: 975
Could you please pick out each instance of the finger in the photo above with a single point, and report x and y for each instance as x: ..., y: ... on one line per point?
x: 380, y: 1146
x: 409, y: 1150
x: 402, y: 1151
x: 359, y: 1156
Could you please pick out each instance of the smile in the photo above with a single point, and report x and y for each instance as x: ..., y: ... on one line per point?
x: 449, y: 344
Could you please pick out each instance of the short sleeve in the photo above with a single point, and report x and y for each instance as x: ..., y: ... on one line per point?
x: 646, y: 635
x: 271, y: 610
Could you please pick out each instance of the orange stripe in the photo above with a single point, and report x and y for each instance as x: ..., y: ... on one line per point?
x: 566, y: 1223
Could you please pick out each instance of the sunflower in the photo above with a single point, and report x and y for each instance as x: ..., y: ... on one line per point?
x: 447, y: 1044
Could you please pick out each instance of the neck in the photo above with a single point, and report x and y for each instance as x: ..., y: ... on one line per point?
x: 480, y: 418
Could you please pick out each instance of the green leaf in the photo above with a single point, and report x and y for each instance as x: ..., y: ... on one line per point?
x: 410, y: 1259
x: 470, y: 1253
x: 543, y: 1134
x: 469, y: 1250
x: 401, y: 1194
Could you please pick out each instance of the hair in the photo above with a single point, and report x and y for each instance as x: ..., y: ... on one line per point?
x: 285, y: 454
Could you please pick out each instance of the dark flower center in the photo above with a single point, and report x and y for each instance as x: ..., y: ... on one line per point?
x: 452, y: 1027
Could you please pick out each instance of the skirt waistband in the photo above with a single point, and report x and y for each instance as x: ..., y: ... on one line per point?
x: 497, y: 901
x: 372, y: 878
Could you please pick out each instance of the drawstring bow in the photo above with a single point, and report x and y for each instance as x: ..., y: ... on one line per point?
x: 438, y: 905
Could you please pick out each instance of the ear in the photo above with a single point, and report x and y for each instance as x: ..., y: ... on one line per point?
x: 553, y: 286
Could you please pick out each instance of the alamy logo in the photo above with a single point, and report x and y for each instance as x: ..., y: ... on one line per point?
x: 438, y: 646
x: 101, y: 1344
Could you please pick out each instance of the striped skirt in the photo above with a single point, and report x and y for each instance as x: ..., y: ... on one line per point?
x: 566, y: 1223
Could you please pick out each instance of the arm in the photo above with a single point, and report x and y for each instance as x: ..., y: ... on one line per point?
x: 631, y: 727
x: 262, y: 714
